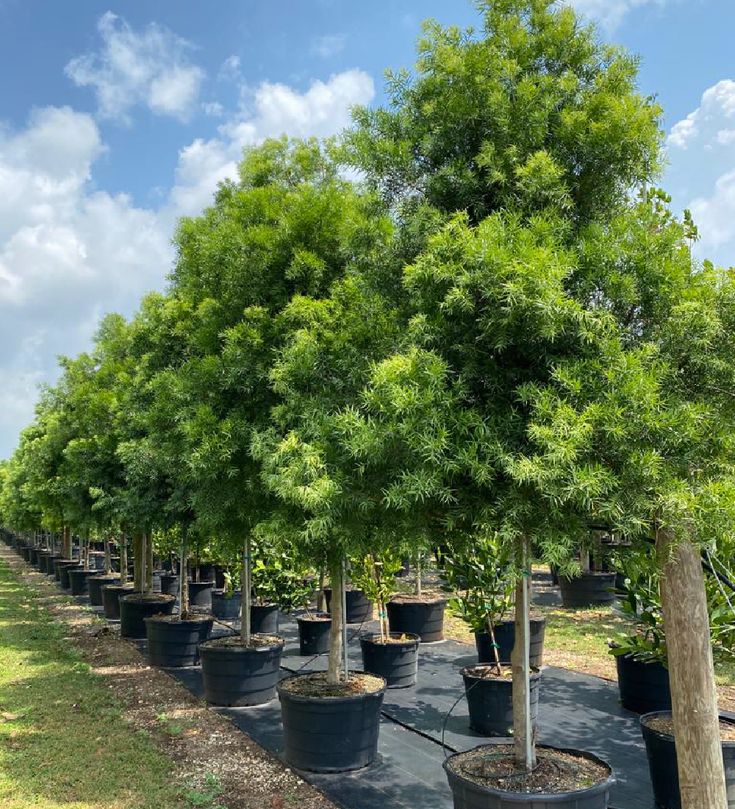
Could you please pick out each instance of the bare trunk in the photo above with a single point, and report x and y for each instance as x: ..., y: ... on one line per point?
x: 246, y: 599
x: 66, y: 542
x: 493, y: 643
x: 108, y: 557
x: 149, y: 563
x: 320, y: 593
x: 123, y: 557
x: 525, y: 754
x: 183, y: 574
x: 336, y: 579
x: 584, y: 559
x: 691, y: 671
x: 417, y: 589
x: 138, y: 571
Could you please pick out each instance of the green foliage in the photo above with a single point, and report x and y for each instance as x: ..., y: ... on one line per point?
x: 480, y: 573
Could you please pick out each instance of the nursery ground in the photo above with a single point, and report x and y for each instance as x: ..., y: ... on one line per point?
x: 85, y: 723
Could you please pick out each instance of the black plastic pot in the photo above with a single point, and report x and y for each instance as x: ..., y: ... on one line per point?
x: 330, y: 734
x: 422, y: 618
x: 236, y: 675
x: 644, y: 687
x: 64, y: 580
x: 41, y: 557
x: 505, y: 636
x: 227, y: 608
x: 359, y: 606
x: 136, y: 607
x: 50, y: 560
x: 662, y: 763
x: 60, y: 563
x: 33, y: 556
x: 78, y: 578
x: 490, y: 702
x: 174, y: 642
x: 111, y: 599
x: 200, y: 595
x: 470, y: 795
x: 396, y: 662
x: 170, y: 584
x: 314, y: 634
x: 589, y: 589
x: 95, y: 585
x: 264, y: 618
x: 25, y: 552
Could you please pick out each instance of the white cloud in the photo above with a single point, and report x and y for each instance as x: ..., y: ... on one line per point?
x: 274, y: 109
x: 149, y: 67
x: 610, y: 13
x: 230, y: 69
x: 68, y: 253
x: 715, y: 218
x: 213, y: 109
x: 329, y: 45
x: 709, y: 121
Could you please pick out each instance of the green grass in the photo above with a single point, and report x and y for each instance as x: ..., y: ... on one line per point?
x: 63, y: 742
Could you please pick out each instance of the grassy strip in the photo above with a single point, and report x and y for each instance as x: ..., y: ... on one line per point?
x: 62, y: 739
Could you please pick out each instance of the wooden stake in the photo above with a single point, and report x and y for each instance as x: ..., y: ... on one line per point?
x: 691, y: 672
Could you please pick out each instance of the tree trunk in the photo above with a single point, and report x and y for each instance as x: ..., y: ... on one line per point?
x: 246, y: 594
x: 148, y: 562
x: 417, y: 589
x: 524, y: 752
x: 336, y: 579
x: 691, y: 671
x: 138, y: 571
x: 66, y: 542
x: 184, y: 574
x: 123, y: 557
x: 108, y: 559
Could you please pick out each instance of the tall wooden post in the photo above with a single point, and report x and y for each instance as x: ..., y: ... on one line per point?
x: 691, y: 672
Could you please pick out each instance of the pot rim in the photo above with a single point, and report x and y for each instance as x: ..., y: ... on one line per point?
x: 411, y: 639
x: 170, y: 618
x: 527, y: 797
x: 323, y: 617
x: 722, y: 715
x: 143, y: 598
x: 405, y: 599
x: 465, y: 672
x: 240, y: 650
x: 312, y: 698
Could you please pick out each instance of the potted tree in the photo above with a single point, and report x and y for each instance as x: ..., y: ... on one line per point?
x: 591, y: 584
x: 391, y: 655
x: 419, y: 613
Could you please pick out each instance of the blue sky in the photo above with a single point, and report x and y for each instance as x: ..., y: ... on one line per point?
x: 116, y: 119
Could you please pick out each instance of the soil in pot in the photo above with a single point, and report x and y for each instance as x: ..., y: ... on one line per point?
x: 111, y: 599
x: 486, y: 777
x: 345, y: 718
x: 490, y: 698
x: 78, y: 578
x: 226, y: 608
x: 170, y: 584
x: 136, y: 607
x: 505, y: 637
x: 173, y: 642
x: 95, y: 585
x: 588, y: 589
x: 314, y: 633
x: 658, y: 734
x: 264, y: 618
x: 235, y: 674
x: 200, y: 595
x: 644, y: 687
x: 418, y: 615
x: 394, y: 658
x: 359, y: 606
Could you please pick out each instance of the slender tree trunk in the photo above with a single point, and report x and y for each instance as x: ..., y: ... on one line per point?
x: 108, y: 557
x: 246, y: 594
x: 525, y: 754
x: 184, y: 574
x: 138, y: 562
x: 123, y: 558
x: 584, y: 559
x: 320, y: 592
x: 691, y: 671
x: 148, y: 562
x: 66, y: 542
x: 336, y: 579
x: 417, y: 589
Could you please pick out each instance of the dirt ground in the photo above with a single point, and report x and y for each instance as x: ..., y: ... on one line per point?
x: 200, y: 741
